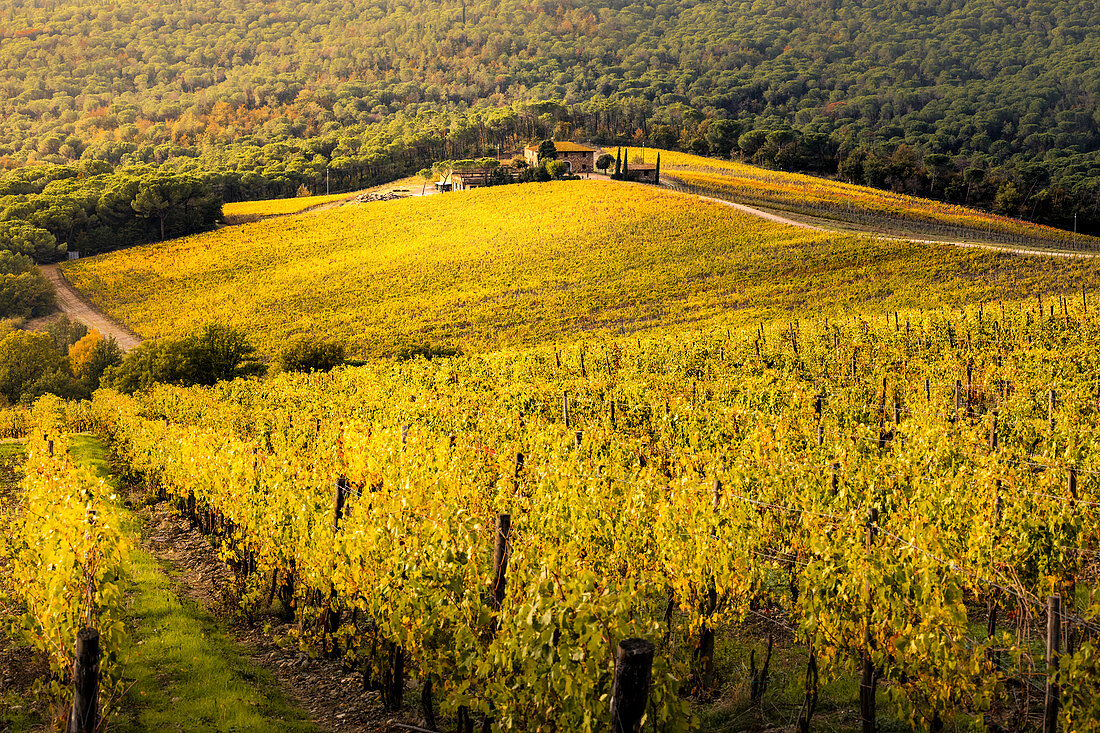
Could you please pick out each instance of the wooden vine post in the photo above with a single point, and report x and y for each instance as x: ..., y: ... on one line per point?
x: 882, y: 405
x: 85, y: 712
x: 1071, y: 584
x: 969, y: 388
x: 703, y: 654
x: 1051, y: 401
x: 991, y: 601
x: 89, y: 588
x: 565, y: 408
x: 630, y: 688
x: 332, y: 613
x: 500, y: 559
x: 867, y: 682
x: 1054, y: 643
x: 339, y: 499
x: 501, y: 552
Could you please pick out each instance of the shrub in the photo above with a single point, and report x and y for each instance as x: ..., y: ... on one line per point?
x: 25, y: 357
x: 58, y: 382
x: 308, y: 354
x: 65, y: 332
x: 147, y: 364
x: 13, y: 263
x: 425, y: 351
x: 23, y: 238
x: 556, y: 168
x: 217, y: 353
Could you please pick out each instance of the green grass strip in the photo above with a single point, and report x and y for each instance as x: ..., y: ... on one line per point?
x: 186, y: 672
x: 12, y: 449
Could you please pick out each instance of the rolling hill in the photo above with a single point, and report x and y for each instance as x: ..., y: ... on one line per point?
x: 534, y: 263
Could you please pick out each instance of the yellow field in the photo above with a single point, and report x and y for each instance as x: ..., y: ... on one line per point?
x: 278, y: 207
x: 836, y: 200
x: 244, y: 212
x: 533, y: 263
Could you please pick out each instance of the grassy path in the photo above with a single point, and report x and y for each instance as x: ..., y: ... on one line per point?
x: 185, y: 672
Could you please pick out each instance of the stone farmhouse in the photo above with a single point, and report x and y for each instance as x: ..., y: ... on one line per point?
x: 579, y: 158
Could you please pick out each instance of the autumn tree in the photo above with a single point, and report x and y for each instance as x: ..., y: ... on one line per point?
x: 90, y: 357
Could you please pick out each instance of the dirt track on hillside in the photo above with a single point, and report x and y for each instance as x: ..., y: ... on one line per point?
x: 78, y: 309
x: 970, y: 245
x: 764, y: 214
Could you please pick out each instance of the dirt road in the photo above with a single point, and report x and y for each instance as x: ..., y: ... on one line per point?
x: 764, y: 214
x: 971, y: 245
x: 78, y: 309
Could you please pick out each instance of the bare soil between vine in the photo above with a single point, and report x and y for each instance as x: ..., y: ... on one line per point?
x: 329, y: 692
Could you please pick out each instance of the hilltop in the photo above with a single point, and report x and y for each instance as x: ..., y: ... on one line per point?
x: 534, y: 263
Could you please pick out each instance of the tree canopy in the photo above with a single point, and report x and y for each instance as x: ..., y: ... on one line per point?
x: 267, y: 98
x: 216, y: 353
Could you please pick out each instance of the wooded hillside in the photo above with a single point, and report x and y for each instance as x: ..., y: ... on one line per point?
x: 996, y: 100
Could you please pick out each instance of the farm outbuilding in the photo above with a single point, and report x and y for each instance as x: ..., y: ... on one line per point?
x: 488, y: 175
x: 641, y: 172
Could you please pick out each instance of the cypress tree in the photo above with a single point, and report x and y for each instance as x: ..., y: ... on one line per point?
x: 626, y: 165
x: 618, y: 162
x: 657, y: 172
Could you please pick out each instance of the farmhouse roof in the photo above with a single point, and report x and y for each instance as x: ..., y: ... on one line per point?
x: 642, y: 166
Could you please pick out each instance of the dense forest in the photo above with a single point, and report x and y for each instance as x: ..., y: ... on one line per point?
x: 986, y: 102
x: 47, y: 211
